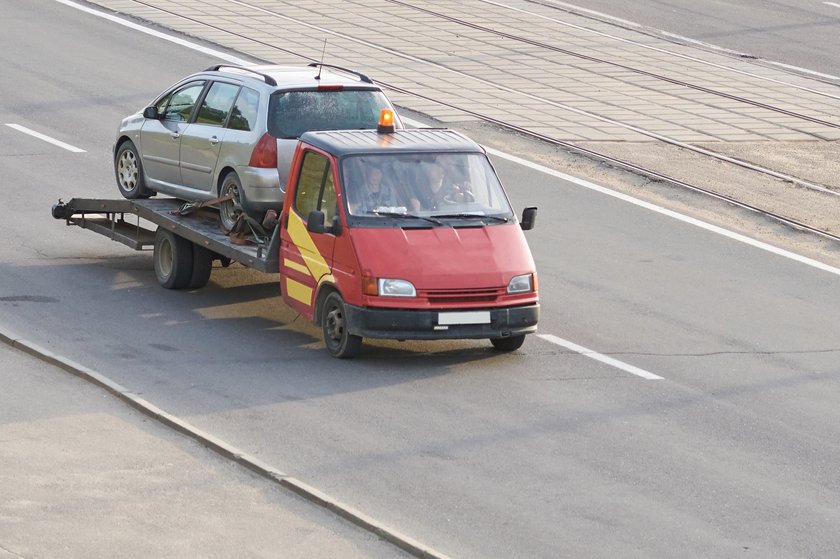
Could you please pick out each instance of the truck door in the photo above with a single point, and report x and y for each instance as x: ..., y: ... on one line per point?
x: 306, y: 257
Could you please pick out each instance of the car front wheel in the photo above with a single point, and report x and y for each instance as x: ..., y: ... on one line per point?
x: 129, y: 171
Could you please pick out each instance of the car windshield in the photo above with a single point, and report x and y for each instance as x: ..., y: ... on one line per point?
x: 291, y: 113
x: 459, y: 186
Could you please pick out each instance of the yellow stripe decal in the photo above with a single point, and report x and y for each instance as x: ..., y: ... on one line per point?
x: 299, y: 292
x: 318, y: 267
x: 296, y: 266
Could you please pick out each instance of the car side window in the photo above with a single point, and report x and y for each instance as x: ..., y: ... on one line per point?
x: 178, y: 106
x: 244, y: 113
x: 316, y: 187
x: 216, y: 105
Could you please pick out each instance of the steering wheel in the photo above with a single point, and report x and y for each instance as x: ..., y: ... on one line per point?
x: 459, y: 197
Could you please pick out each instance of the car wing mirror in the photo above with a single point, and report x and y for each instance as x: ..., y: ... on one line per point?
x: 315, y: 222
x: 529, y: 218
x: 151, y: 113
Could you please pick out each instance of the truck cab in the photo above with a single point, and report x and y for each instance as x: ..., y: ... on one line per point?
x: 404, y: 234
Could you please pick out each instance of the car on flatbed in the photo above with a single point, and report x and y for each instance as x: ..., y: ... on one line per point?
x: 230, y: 132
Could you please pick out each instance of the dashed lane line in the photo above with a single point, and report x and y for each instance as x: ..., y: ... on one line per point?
x: 45, y: 138
x: 633, y: 370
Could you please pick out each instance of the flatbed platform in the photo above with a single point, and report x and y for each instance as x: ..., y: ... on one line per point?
x: 200, y: 226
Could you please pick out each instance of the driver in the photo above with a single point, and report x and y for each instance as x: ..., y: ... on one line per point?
x: 437, y: 190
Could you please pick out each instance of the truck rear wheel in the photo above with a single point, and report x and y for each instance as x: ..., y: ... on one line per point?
x: 511, y: 343
x: 202, y: 265
x: 340, y: 342
x: 173, y: 258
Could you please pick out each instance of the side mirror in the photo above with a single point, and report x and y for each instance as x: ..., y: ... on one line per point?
x: 336, y: 225
x: 315, y: 222
x: 529, y: 218
x: 151, y: 113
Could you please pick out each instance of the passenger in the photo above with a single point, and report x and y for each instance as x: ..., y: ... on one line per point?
x: 374, y: 194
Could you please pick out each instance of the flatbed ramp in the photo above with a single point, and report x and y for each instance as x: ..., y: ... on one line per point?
x: 123, y: 220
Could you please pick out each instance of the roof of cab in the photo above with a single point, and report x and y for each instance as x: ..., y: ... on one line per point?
x: 290, y: 77
x: 349, y: 142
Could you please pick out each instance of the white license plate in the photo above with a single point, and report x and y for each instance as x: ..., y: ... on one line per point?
x: 476, y: 317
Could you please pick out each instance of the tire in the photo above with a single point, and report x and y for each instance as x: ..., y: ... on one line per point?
x: 229, y: 211
x: 338, y: 339
x: 511, y: 343
x: 202, y: 265
x: 128, y: 169
x: 173, y: 258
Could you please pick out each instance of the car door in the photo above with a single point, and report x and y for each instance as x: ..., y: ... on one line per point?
x: 306, y: 256
x: 201, y: 139
x: 160, y: 139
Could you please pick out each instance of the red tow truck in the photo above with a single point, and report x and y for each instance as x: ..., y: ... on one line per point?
x: 404, y: 234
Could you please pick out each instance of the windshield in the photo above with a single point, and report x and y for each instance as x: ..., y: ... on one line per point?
x: 291, y: 113
x: 455, y: 185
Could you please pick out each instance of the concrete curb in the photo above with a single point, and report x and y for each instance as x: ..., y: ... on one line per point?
x: 224, y: 449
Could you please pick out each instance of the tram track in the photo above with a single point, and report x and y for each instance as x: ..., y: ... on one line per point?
x: 639, y: 71
x: 525, y: 130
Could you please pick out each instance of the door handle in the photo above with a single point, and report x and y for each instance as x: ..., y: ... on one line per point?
x: 175, y: 135
x: 214, y: 140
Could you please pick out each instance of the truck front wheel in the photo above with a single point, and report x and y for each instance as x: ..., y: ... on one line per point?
x: 510, y: 343
x: 173, y: 258
x: 340, y: 342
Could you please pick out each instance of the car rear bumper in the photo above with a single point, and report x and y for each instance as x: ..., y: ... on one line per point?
x: 425, y: 325
x: 262, y: 187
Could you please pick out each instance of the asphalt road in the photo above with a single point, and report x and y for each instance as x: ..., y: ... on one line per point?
x: 803, y: 33
x: 540, y: 453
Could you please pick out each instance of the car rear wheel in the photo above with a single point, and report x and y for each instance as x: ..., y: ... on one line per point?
x: 511, y: 343
x: 229, y: 210
x: 173, y: 258
x: 129, y: 171
x: 337, y: 337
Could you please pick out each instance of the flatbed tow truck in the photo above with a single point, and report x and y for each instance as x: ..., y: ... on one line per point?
x: 425, y: 262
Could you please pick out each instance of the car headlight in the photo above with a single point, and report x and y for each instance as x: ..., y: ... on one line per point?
x: 396, y: 288
x: 521, y: 284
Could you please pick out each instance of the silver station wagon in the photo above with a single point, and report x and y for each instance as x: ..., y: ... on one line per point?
x: 230, y: 132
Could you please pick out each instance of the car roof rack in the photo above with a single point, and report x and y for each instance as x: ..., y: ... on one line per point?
x: 361, y: 76
x: 268, y: 79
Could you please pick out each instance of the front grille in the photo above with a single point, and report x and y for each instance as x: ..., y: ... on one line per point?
x: 486, y: 295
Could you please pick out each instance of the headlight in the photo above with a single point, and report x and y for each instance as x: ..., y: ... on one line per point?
x: 396, y: 288
x: 521, y: 284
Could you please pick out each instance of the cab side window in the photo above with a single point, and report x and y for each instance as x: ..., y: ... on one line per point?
x: 178, y: 106
x: 316, y: 187
x: 244, y: 113
x: 216, y: 105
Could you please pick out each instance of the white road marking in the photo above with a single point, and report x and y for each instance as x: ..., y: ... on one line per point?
x: 832, y: 4
x: 670, y: 213
x: 600, y: 357
x: 218, y: 54
x: 46, y: 138
x: 681, y: 38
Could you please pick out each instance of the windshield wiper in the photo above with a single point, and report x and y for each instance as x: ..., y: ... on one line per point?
x: 473, y: 216
x: 408, y: 215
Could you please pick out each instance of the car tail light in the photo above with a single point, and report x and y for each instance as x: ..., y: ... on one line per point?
x: 265, y: 152
x: 337, y: 87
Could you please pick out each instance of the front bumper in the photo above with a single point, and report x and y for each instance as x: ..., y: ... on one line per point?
x: 423, y: 325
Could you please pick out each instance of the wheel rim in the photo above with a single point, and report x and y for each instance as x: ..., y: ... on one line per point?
x: 229, y: 210
x: 165, y: 258
x: 334, y: 325
x: 127, y: 170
